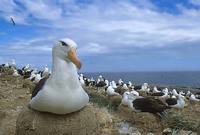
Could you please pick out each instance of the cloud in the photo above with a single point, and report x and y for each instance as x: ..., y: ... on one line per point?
x: 23, y: 47
x: 44, y: 10
x: 8, y: 8
x: 102, y: 27
x: 195, y: 2
x: 93, y: 48
x: 136, y: 24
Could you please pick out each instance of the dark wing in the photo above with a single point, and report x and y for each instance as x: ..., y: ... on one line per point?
x: 27, y: 74
x: 171, y: 101
x: 87, y: 82
x: 19, y: 71
x: 12, y: 20
x: 101, y: 84
x: 149, y: 104
x: 137, y: 87
x: 157, y: 94
x: 120, y: 90
x: 39, y: 86
x: 197, y: 93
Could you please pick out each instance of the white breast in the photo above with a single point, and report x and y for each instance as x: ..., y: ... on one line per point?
x: 62, y: 92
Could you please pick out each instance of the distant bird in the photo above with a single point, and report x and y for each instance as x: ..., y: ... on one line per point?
x: 134, y: 92
x: 12, y: 20
x: 37, y: 78
x: 144, y: 87
x: 197, y: 95
x: 13, y: 64
x: 149, y: 104
x: 120, y: 82
x: 155, y: 90
x: 125, y: 86
x: 100, y: 84
x: 178, y: 102
x: 82, y: 81
x: 25, y: 68
x: 45, y: 72
x: 15, y: 73
x: 193, y: 98
x: 6, y: 65
x: 21, y: 72
x: 27, y: 73
x: 113, y: 84
x: 129, y: 84
x: 111, y: 91
x: 165, y: 90
x: 125, y: 100
x: 92, y: 81
x: 113, y: 97
x: 174, y: 92
x: 193, y: 101
x: 107, y: 83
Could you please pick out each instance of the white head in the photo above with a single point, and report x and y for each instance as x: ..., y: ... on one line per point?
x: 165, y: 90
x: 61, y: 48
x: 180, y: 96
x: 126, y: 94
x: 129, y: 82
x: 46, y: 68
x: 107, y: 82
x: 174, y: 92
x: 125, y: 86
x: 92, y: 79
x: 145, y: 86
x: 113, y: 82
x: 120, y: 81
x: 182, y: 93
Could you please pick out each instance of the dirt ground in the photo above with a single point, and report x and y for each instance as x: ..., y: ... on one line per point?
x: 15, y: 94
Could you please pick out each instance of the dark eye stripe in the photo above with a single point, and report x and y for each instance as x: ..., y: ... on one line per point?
x: 63, y: 43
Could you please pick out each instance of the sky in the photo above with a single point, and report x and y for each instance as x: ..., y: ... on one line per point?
x: 112, y: 35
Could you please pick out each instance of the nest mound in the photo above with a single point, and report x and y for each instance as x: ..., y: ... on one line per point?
x: 88, y: 121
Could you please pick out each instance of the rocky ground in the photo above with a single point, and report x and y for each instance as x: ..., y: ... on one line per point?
x: 15, y: 94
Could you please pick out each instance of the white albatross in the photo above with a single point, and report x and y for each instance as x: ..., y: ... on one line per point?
x: 111, y: 91
x: 61, y: 93
x: 193, y: 98
x: 126, y: 101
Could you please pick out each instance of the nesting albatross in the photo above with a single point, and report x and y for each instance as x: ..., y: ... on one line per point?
x: 148, y: 104
x: 61, y: 93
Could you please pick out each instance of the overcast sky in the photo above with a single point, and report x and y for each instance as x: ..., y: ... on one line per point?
x: 112, y: 35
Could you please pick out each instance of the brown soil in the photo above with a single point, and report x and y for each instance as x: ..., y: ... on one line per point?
x: 15, y: 94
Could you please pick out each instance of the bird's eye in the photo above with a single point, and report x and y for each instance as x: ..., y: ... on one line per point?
x: 63, y: 43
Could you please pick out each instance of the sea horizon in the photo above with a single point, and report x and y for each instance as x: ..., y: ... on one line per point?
x: 140, y: 71
x: 172, y: 78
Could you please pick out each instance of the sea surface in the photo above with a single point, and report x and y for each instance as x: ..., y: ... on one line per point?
x: 185, y: 79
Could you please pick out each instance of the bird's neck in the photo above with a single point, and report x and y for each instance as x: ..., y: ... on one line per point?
x: 59, y: 66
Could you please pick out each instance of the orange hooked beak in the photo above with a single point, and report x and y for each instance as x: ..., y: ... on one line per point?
x: 74, y: 58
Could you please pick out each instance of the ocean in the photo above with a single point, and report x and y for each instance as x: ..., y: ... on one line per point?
x: 180, y: 78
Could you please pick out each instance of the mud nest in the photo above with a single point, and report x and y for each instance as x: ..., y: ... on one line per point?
x: 88, y: 121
